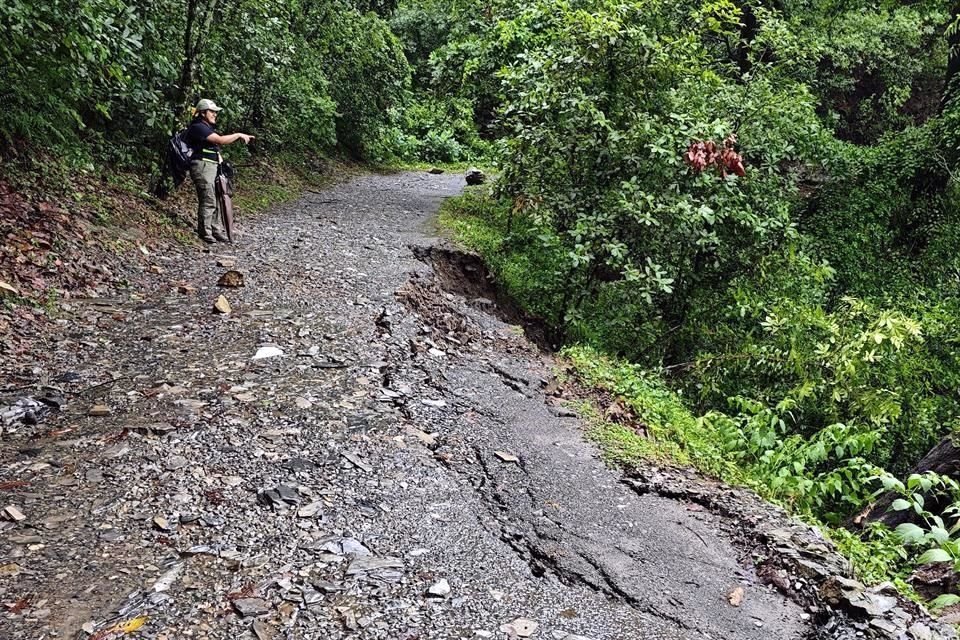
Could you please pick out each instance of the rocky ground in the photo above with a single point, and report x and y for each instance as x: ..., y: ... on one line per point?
x: 362, y: 448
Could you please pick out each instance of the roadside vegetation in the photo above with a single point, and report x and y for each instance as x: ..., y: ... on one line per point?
x: 740, y: 221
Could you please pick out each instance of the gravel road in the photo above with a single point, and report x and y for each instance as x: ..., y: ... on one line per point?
x: 388, y: 468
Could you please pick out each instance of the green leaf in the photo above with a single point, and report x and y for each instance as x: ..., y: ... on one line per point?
x: 900, y: 504
x: 944, y: 600
x: 910, y: 533
x: 934, y: 555
x: 939, y: 534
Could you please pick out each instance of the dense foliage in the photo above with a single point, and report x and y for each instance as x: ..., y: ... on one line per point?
x: 114, y: 79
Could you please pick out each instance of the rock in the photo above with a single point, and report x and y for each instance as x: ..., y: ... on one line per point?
x: 521, y: 627
x: 99, y: 410
x: 252, y: 607
x: 474, y: 176
x: 156, y: 428
x: 838, y: 589
x: 429, y: 440
x: 440, y: 589
x: 280, y: 497
x: 14, y: 514
x: 231, y: 279
x: 226, y: 263
x: 267, y: 352
x: 506, y: 456
x: 222, y: 305
x: 157, y: 269
x: 434, y: 403
x: 435, y: 171
x: 310, y: 510
x: 167, y: 579
x: 161, y: 523
x: 875, y: 604
x: 561, y: 412
x: 262, y: 630
x: 382, y: 568
x: 311, y: 597
x: 186, y: 289
x: 355, y: 460
x: 175, y: 463
x: 735, y: 596
x: 28, y: 539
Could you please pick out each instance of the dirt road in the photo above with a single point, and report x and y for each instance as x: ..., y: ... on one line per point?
x: 353, y: 452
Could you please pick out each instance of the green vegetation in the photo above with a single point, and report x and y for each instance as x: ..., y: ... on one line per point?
x: 741, y: 220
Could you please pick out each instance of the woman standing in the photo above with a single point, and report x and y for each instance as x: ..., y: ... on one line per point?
x: 202, y: 136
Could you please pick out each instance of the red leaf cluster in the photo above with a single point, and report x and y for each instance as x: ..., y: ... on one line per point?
x: 702, y: 155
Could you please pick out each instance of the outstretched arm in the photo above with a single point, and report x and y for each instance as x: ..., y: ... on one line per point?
x: 216, y: 138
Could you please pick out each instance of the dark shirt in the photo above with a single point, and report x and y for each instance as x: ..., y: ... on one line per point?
x: 197, y: 135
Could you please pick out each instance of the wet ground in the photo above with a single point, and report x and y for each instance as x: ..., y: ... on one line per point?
x: 352, y: 452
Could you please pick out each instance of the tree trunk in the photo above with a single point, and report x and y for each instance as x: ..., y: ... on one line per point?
x: 186, y: 69
x: 943, y: 459
x: 199, y: 21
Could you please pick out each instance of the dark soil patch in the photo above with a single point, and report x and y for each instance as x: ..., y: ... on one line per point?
x: 465, y: 274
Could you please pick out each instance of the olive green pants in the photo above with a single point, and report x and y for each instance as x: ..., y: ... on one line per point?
x: 209, y: 222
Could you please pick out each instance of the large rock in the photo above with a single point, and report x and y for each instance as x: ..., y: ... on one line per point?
x: 474, y: 176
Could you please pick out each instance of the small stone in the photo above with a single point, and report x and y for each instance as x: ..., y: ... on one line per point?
x: 434, y: 403
x: 232, y: 279
x: 226, y: 263
x: 435, y: 171
x: 440, y: 589
x: 303, y: 403
x: 13, y: 513
x: 24, y: 539
x: 161, y: 523
x: 735, y: 596
x: 310, y: 510
x: 506, y: 456
x: 262, y: 630
x: 175, y: 463
x: 267, y: 352
x: 251, y: 607
x: 356, y: 461
x: 521, y: 627
x: 99, y: 410
x: 222, y: 305
x: 157, y: 269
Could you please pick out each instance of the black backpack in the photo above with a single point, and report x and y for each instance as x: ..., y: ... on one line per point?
x: 179, y: 156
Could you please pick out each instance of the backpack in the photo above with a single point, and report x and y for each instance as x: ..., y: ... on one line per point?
x: 179, y: 155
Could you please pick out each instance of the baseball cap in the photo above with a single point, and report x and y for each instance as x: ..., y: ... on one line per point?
x: 208, y: 105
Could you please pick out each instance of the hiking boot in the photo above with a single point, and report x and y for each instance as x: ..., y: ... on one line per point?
x: 219, y: 237
x: 207, y: 239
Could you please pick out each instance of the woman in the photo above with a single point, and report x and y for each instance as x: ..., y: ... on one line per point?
x: 201, y: 135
